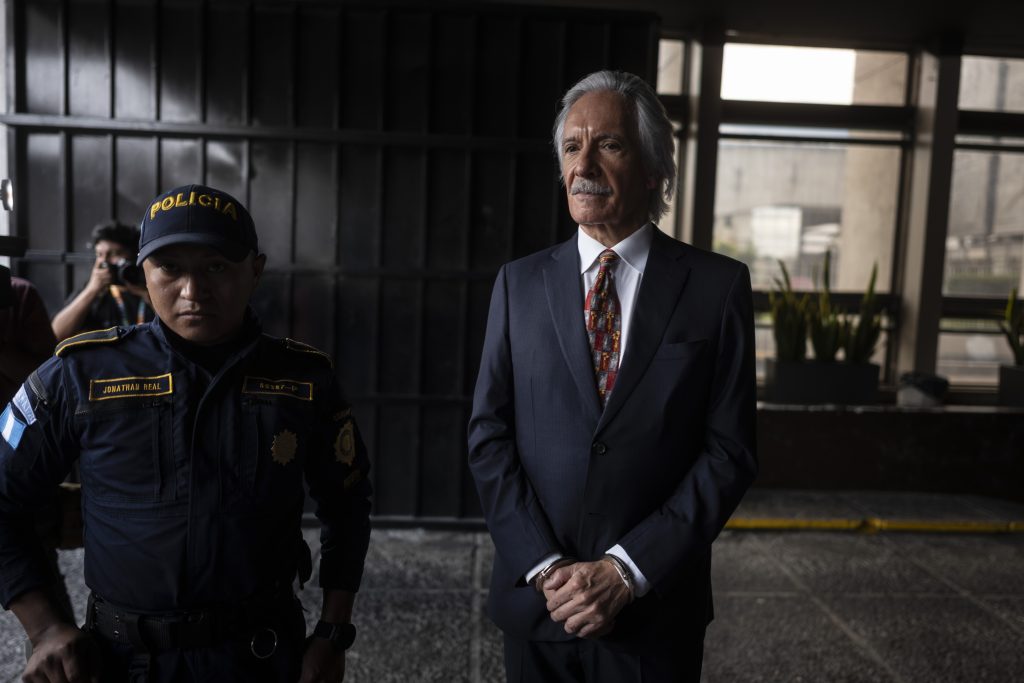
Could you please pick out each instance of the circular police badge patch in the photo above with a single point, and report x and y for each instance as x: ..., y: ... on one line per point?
x: 345, y: 444
x: 284, y: 447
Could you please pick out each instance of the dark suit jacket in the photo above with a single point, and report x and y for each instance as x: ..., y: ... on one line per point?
x: 658, y: 471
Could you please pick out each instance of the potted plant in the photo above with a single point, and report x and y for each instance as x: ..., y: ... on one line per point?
x: 825, y: 322
x: 859, y: 338
x: 790, y: 378
x: 1011, y: 377
x: 786, y: 378
x: 789, y: 319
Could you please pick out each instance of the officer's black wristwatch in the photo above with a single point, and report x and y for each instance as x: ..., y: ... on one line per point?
x: 341, y: 635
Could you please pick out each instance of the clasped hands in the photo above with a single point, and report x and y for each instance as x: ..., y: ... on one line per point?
x: 585, y: 597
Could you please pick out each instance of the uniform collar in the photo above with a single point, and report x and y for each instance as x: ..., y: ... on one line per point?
x: 204, y: 355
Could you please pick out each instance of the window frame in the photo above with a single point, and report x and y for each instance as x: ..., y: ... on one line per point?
x: 974, y: 122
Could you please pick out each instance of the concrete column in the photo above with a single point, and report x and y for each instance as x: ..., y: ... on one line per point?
x: 702, y: 142
x: 871, y: 181
x: 929, y: 182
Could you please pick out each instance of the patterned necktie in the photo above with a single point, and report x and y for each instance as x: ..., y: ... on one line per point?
x: 604, y: 325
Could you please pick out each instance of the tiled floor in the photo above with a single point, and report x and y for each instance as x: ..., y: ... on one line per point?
x: 791, y: 606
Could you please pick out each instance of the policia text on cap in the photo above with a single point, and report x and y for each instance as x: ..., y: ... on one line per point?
x: 193, y: 434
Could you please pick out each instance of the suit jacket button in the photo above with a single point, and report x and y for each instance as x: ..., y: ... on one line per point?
x: 598, y: 448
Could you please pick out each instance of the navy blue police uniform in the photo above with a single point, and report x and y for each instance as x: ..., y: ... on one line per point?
x: 192, y: 480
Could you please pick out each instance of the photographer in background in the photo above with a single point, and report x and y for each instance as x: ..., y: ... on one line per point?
x: 116, y: 293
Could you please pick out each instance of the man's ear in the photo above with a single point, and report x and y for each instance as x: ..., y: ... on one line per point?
x: 652, y: 182
x: 258, y: 264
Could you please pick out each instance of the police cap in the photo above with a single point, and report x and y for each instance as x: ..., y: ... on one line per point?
x: 196, y: 214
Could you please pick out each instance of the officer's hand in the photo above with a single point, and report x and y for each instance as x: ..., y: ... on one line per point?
x: 100, y: 277
x: 62, y: 654
x: 322, y: 663
x: 588, y: 601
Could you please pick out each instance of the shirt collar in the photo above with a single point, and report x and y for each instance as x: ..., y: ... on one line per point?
x: 633, y: 250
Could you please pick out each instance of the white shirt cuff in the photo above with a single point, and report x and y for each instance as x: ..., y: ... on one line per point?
x: 640, y: 583
x: 538, y: 567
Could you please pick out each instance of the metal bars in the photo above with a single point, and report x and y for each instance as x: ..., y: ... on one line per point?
x: 392, y: 159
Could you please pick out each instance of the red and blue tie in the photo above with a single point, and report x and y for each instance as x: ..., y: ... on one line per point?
x: 604, y: 325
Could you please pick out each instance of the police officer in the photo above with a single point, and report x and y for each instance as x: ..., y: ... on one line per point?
x: 193, y: 434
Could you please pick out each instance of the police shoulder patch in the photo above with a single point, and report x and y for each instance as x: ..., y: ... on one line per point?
x: 299, y: 347
x: 91, y: 338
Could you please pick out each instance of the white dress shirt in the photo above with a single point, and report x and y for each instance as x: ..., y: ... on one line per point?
x: 627, y: 272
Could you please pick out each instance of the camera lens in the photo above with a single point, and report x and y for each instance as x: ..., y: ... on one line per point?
x: 126, y: 272
x: 133, y: 274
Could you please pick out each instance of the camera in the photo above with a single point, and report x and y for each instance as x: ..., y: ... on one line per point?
x: 125, y: 272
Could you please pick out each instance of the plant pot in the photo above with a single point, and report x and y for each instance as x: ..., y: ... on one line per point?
x: 815, y: 382
x: 1011, y: 385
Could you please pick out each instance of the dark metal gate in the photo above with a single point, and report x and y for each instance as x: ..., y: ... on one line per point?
x: 392, y: 158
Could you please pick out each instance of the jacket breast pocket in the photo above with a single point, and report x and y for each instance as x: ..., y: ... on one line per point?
x: 681, y: 349
x: 276, y: 434
x: 127, y: 452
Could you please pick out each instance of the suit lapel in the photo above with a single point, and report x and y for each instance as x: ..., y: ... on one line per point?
x: 663, y: 281
x: 565, y: 301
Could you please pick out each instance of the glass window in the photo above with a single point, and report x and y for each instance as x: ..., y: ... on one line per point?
x: 777, y: 73
x: 845, y: 135
x: 991, y: 84
x: 764, y: 342
x: 985, y: 244
x: 794, y: 201
x: 981, y: 139
x: 669, y: 223
x: 971, y: 351
x: 670, y: 67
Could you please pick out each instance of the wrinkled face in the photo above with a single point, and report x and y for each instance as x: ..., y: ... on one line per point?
x: 112, y: 252
x: 605, y: 180
x: 198, y: 293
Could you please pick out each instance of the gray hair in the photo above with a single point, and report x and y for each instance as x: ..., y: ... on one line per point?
x: 653, y: 129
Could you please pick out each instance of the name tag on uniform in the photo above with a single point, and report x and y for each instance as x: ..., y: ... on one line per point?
x: 127, y: 387
x: 278, y: 387
x: 21, y: 401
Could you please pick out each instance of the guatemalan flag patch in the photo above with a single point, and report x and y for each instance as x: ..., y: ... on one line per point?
x: 11, y: 428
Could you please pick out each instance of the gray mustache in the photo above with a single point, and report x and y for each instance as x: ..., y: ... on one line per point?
x: 584, y: 186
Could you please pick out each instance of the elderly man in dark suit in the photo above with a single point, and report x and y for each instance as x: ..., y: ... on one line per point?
x: 612, y: 432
